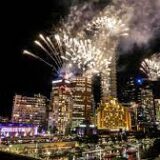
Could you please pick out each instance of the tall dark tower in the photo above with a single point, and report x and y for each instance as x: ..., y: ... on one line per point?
x: 128, y: 91
x: 113, y: 76
x: 96, y: 87
x: 109, y: 80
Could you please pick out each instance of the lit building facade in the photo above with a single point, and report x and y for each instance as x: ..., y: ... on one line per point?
x: 113, y: 116
x: 132, y: 109
x: 29, y: 109
x: 60, y: 115
x: 157, y: 109
x: 113, y: 76
x: 105, y: 86
x: 146, y: 113
x: 17, y: 129
x: 82, y: 100
x: 147, y: 103
x: 87, y: 130
x: 4, y: 119
x: 128, y: 90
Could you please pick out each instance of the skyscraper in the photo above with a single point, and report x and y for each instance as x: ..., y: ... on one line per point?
x: 128, y: 91
x: 146, y: 114
x: 113, y: 76
x: 109, y: 80
x: 60, y: 115
x: 147, y: 103
x: 82, y: 100
x: 71, y: 102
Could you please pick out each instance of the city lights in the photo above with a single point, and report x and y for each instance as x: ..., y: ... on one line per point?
x: 93, y: 110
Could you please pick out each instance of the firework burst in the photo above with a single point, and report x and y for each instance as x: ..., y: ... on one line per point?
x: 151, y: 67
x: 88, y: 47
x: 83, y: 54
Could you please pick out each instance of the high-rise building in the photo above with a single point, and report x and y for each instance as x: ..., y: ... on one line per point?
x: 71, y: 102
x: 147, y: 103
x: 157, y: 109
x: 105, y: 86
x: 29, y: 109
x: 111, y: 115
x: 146, y: 114
x: 113, y: 76
x: 60, y: 115
x: 82, y: 100
x: 128, y: 90
x: 109, y: 81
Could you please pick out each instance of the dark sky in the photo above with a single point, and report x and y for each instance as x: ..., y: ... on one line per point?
x: 21, y: 22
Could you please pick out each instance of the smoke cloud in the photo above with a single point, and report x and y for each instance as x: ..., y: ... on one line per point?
x: 144, y: 22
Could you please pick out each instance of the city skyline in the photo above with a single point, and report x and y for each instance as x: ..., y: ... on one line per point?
x: 27, y: 75
x: 80, y: 79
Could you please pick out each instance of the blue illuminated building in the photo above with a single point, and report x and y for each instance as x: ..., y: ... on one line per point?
x: 17, y: 129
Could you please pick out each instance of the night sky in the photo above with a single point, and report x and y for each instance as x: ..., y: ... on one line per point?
x: 21, y: 22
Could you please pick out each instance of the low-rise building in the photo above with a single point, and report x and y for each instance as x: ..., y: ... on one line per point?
x: 111, y: 115
x: 29, y: 109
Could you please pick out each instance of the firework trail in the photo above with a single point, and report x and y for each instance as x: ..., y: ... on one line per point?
x: 37, y: 57
x: 102, y: 28
x: 87, y: 47
x: 52, y: 48
x: 151, y: 67
x: 88, y: 37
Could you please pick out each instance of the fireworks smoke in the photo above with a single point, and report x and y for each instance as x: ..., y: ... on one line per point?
x: 87, y: 39
x: 144, y: 22
x: 87, y: 48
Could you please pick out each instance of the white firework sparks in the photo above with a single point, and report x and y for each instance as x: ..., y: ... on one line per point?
x: 73, y: 48
x: 151, y: 67
x: 113, y: 26
x: 84, y: 55
x: 52, y: 48
x: 71, y: 55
